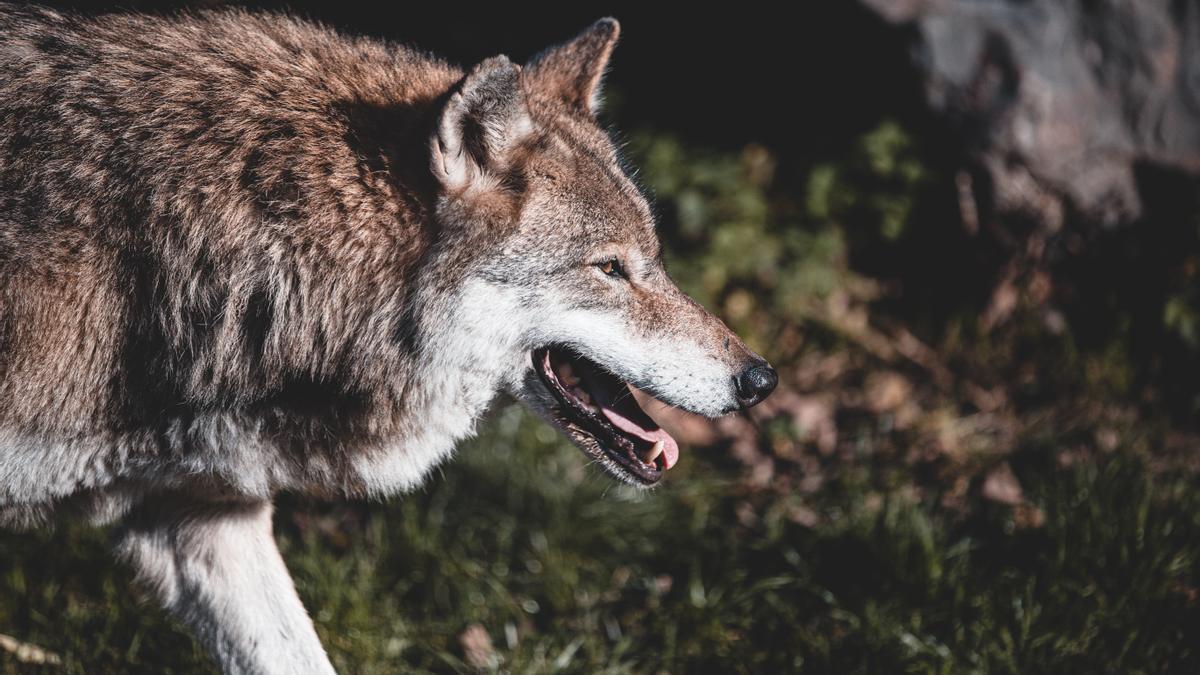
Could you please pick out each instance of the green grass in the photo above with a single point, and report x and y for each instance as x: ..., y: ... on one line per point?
x: 875, y: 554
x: 569, y: 573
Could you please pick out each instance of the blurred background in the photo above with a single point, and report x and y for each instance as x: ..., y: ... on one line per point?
x: 968, y: 235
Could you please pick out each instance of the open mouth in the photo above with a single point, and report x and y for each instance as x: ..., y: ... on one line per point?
x: 599, y: 406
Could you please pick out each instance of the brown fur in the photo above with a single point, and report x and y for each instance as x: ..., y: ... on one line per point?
x: 219, y: 220
x: 222, y: 183
x: 210, y: 212
x: 241, y: 253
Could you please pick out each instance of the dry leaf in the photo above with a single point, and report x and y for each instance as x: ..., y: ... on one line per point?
x: 477, y: 647
x: 1001, y: 486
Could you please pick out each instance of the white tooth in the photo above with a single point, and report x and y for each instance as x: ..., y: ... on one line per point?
x: 654, y: 451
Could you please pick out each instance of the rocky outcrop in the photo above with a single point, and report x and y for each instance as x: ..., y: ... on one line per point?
x: 1057, y: 102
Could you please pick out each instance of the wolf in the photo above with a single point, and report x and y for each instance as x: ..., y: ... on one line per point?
x: 244, y: 254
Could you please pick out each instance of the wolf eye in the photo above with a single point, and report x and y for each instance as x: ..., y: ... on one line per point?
x: 612, y: 268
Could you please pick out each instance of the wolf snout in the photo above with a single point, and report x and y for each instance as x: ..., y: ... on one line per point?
x: 755, y: 383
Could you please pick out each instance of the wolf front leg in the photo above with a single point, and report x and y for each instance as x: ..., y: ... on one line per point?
x: 216, y: 567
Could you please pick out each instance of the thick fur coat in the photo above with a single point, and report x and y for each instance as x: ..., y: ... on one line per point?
x: 242, y: 254
x: 209, y: 238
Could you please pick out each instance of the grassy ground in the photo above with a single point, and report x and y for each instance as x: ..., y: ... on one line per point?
x: 938, y: 486
x: 566, y: 573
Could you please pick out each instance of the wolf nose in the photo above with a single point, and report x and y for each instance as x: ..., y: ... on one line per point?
x: 755, y: 383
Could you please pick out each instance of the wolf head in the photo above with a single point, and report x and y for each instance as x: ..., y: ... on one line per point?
x: 539, y: 219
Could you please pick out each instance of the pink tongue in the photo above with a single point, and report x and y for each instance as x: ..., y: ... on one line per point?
x: 670, y: 452
x: 612, y: 397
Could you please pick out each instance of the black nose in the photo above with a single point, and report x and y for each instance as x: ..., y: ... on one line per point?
x: 755, y: 383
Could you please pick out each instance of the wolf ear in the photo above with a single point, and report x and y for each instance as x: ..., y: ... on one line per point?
x: 480, y: 123
x: 573, y: 71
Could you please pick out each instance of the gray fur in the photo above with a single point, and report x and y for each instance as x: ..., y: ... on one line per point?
x: 242, y: 254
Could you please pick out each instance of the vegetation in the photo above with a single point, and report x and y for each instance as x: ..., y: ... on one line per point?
x: 566, y: 573
x: 981, y: 460
x: 949, y: 525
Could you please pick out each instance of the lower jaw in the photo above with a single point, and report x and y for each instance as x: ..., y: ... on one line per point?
x: 642, y: 475
x: 616, y: 462
x: 594, y: 435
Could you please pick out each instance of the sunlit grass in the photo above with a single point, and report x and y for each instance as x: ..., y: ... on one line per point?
x: 568, y: 573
